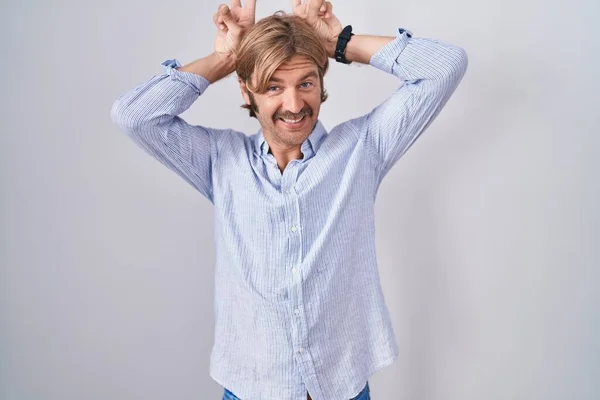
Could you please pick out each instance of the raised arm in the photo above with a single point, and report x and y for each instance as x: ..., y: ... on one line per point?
x: 149, y: 113
x: 430, y: 71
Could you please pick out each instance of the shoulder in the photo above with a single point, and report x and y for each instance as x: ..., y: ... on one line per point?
x: 352, y: 127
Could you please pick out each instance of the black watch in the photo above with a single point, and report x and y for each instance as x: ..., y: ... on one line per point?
x: 340, y: 48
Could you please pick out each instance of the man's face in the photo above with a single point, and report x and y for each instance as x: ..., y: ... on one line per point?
x: 289, y: 110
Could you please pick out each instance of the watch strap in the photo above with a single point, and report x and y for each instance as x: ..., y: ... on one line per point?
x: 342, y: 42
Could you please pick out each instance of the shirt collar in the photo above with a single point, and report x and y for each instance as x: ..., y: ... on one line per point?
x: 309, y: 147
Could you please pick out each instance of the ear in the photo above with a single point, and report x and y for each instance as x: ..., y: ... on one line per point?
x: 244, y: 90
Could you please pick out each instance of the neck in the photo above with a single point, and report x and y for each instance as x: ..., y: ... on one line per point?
x: 284, y: 154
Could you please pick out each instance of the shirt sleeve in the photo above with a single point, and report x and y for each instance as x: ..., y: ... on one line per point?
x: 430, y: 71
x: 148, y: 114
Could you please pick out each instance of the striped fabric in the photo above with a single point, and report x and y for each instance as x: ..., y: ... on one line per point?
x: 298, y: 301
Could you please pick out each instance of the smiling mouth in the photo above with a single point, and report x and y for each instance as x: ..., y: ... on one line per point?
x: 292, y: 121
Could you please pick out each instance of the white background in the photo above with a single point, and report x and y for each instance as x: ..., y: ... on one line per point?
x: 487, y: 229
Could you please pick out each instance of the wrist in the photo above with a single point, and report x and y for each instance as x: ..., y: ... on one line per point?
x: 221, y: 66
x: 330, y: 46
x: 212, y: 67
x: 344, y: 38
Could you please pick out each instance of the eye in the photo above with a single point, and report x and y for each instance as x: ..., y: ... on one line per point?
x: 306, y: 85
x: 272, y: 88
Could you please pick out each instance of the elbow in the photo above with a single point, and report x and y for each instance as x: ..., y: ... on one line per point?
x: 458, y: 62
x: 462, y: 61
x: 450, y: 70
x: 127, y: 117
x: 120, y: 115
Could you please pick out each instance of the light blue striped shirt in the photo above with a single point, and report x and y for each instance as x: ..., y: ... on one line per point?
x: 298, y: 300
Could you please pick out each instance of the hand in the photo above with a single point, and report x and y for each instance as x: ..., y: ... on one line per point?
x: 231, y: 24
x: 318, y: 13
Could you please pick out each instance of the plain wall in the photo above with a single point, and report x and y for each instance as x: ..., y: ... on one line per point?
x: 487, y: 229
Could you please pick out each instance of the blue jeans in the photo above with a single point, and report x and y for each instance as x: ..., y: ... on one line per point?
x: 363, y: 395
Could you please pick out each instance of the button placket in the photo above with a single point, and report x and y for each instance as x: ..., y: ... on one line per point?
x: 292, y: 220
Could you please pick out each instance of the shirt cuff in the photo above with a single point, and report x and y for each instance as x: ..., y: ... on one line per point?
x: 385, y: 58
x: 196, y: 82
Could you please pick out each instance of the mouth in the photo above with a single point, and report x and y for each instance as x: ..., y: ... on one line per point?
x: 293, y: 123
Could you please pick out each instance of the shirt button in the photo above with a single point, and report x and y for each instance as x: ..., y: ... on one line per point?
x: 294, y: 229
x: 296, y: 311
x: 300, y: 350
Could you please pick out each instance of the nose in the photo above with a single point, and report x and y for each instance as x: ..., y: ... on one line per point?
x: 293, y: 101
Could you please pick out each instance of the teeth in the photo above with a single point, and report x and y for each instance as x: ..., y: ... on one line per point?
x: 292, y: 121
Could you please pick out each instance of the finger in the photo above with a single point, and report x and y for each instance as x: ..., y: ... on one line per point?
x: 313, y: 9
x: 250, y: 5
x: 323, y: 9
x: 218, y: 18
x: 296, y: 3
x: 223, y: 13
x: 236, y: 3
x: 218, y: 22
x: 228, y: 19
x: 329, y: 9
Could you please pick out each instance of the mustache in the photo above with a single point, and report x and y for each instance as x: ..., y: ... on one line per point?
x: 289, y: 115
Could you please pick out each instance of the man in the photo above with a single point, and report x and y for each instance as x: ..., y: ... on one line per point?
x: 299, y: 310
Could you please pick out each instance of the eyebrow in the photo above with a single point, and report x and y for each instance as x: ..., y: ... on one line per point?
x: 311, y: 74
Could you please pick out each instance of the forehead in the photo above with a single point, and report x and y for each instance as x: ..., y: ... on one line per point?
x: 295, y: 67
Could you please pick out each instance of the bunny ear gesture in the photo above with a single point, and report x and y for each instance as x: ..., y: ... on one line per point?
x: 232, y: 23
x: 319, y: 14
x: 250, y: 4
x: 310, y: 10
x: 245, y: 14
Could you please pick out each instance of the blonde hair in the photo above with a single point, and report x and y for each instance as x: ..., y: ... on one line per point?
x: 271, y: 42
